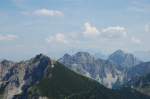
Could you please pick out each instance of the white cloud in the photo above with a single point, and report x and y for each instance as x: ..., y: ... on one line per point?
x: 136, y: 40
x: 108, y: 32
x: 90, y: 30
x: 44, y: 12
x: 147, y: 28
x: 114, y: 32
x: 58, y: 38
x: 8, y: 37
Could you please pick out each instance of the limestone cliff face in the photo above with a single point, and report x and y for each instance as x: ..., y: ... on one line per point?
x: 18, y: 77
x: 85, y: 64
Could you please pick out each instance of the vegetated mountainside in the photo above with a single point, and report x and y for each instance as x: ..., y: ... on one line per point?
x: 143, y: 85
x: 65, y: 83
x: 62, y: 83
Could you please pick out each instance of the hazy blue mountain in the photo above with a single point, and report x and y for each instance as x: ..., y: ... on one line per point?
x: 138, y: 77
x: 138, y: 71
x: 141, y: 84
x: 126, y: 60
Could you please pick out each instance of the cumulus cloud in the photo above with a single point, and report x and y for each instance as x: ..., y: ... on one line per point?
x: 57, y: 38
x: 44, y: 12
x: 114, y: 32
x: 147, y: 28
x: 8, y: 37
x: 108, y: 32
x: 136, y: 40
x: 90, y: 30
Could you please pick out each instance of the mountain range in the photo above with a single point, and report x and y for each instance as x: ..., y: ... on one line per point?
x: 85, y: 64
x: 78, y: 76
x: 108, y: 72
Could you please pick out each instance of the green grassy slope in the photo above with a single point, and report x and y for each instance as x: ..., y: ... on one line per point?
x: 62, y: 83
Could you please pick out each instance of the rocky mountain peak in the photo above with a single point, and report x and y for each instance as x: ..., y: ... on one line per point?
x: 120, y: 51
x: 67, y: 55
x: 5, y: 62
x: 40, y: 57
x: 83, y: 57
x: 123, y: 59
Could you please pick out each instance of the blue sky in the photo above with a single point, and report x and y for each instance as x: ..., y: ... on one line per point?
x: 54, y: 27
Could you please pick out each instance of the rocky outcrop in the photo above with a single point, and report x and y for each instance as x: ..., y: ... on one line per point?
x: 85, y: 64
x: 20, y: 76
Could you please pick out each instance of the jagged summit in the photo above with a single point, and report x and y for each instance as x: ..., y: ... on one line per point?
x: 123, y: 59
x: 5, y: 61
x: 83, y: 57
x: 40, y: 56
x: 67, y: 55
x: 86, y: 64
x: 119, y: 51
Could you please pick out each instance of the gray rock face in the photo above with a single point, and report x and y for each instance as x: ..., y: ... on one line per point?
x: 36, y: 68
x: 138, y: 71
x: 98, y: 69
x: 139, y: 78
x: 126, y: 60
x: 112, y: 72
x: 21, y: 75
x: 5, y: 65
